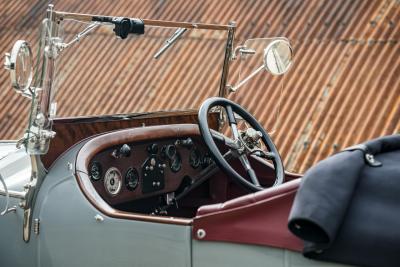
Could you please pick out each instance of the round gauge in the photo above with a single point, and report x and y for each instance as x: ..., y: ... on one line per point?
x: 95, y: 171
x: 113, y: 181
x: 168, y: 152
x: 176, y: 163
x: 131, y: 178
x: 20, y: 65
x: 195, y: 158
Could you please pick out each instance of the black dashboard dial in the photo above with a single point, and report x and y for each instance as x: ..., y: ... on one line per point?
x: 95, y: 171
x: 195, y: 158
x: 168, y: 152
x: 176, y: 163
x: 131, y: 179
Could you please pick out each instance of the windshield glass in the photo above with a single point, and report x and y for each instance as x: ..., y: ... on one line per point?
x: 103, y: 74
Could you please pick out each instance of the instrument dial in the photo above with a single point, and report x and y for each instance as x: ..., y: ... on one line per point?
x: 95, y: 171
x: 113, y: 181
x: 176, y: 163
x: 131, y: 179
x: 195, y: 158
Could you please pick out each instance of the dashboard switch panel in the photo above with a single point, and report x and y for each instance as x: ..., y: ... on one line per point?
x: 153, y: 176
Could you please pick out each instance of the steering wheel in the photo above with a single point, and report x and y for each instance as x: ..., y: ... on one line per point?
x: 243, y: 144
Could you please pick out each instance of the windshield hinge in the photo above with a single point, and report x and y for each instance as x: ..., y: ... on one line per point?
x: 36, y: 226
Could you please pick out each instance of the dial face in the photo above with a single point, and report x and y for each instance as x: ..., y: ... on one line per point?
x: 195, y: 158
x: 131, y: 179
x: 95, y: 171
x: 176, y: 163
x: 113, y: 181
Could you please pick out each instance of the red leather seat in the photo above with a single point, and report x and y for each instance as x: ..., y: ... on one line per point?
x: 258, y: 218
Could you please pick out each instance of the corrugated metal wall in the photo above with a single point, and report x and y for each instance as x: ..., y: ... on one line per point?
x: 343, y: 88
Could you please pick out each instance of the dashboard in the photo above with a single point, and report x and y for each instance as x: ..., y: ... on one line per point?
x: 136, y: 170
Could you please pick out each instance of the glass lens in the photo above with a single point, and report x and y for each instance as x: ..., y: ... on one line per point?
x: 278, y: 58
x: 23, y: 67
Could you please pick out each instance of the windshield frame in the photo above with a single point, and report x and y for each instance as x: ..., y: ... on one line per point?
x: 229, y: 28
x: 43, y: 106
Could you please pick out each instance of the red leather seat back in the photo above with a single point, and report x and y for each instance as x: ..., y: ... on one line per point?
x: 259, y: 218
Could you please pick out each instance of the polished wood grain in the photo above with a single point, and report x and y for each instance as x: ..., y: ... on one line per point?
x: 70, y: 131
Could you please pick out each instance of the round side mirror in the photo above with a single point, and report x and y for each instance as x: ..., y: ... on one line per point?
x: 278, y: 57
x: 20, y: 65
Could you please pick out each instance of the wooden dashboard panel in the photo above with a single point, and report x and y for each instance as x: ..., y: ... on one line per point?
x: 165, y: 167
x: 70, y: 131
x: 105, y: 141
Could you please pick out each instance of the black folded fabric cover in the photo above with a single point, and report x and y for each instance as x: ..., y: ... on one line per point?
x: 348, y: 211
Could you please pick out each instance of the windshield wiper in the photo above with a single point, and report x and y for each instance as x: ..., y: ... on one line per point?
x: 171, y: 40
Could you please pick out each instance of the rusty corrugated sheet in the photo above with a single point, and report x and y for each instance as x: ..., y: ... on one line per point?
x: 343, y: 88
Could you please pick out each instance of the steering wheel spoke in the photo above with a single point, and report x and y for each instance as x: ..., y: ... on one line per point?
x: 250, y: 171
x: 232, y: 122
x: 263, y: 154
x: 224, y: 139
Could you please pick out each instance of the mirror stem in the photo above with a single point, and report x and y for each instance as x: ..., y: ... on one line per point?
x: 234, y: 88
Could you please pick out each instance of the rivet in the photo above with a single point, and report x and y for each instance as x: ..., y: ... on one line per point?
x: 201, y: 233
x: 98, y: 218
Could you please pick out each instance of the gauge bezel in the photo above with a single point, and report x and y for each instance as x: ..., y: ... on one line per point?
x: 175, y: 163
x: 12, y: 66
x: 136, y: 173
x: 113, y: 194
x: 195, y: 158
x: 100, y: 168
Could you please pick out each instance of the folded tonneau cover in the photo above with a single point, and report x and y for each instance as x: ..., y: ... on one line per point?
x: 348, y: 206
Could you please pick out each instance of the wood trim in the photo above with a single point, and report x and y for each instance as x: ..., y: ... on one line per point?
x: 70, y: 131
x: 104, y: 141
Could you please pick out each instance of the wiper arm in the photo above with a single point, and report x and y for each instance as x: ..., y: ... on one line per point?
x: 171, y: 40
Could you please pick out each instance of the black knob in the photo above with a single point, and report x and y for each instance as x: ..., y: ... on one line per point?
x: 152, y: 149
x: 125, y: 151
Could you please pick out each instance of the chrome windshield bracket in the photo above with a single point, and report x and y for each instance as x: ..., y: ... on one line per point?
x: 228, y: 57
x: 31, y: 190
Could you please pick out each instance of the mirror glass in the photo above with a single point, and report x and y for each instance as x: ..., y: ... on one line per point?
x: 20, y: 66
x: 23, y: 67
x: 278, y: 57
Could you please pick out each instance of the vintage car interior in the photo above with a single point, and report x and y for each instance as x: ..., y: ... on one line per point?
x: 169, y: 170
x: 207, y: 181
